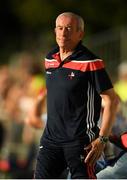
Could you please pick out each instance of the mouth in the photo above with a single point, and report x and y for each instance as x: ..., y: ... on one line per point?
x: 63, y: 39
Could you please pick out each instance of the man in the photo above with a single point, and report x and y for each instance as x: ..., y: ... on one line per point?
x: 76, y: 82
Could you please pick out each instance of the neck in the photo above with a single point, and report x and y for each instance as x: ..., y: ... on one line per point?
x: 65, y: 53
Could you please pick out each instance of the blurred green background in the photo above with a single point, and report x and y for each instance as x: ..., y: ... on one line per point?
x: 28, y: 24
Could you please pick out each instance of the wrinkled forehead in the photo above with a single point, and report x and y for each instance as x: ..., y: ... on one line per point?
x: 68, y: 20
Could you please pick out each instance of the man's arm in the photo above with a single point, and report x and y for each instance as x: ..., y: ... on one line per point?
x: 109, y: 111
x: 108, y: 117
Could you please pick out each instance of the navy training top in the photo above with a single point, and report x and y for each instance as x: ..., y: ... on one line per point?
x: 73, y: 95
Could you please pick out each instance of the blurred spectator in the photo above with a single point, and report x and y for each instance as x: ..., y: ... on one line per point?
x: 121, y: 85
x: 37, y: 83
x: 20, y: 83
x: 5, y: 81
x: 37, y: 115
x: 2, y: 134
x: 117, y: 168
x: 115, y: 155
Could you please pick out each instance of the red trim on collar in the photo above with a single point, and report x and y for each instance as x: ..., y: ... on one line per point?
x: 57, y: 57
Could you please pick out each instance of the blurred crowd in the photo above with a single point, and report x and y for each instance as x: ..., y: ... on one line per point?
x: 23, y: 114
x: 120, y: 87
x: 21, y: 82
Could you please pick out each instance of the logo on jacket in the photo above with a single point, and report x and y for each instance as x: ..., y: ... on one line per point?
x: 71, y: 75
x: 48, y: 72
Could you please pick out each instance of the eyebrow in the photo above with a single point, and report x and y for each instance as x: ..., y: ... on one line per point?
x: 64, y: 26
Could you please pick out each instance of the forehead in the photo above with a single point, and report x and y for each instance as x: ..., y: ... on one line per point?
x: 66, y: 21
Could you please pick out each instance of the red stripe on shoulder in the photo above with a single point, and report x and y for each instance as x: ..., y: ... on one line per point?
x: 97, y: 64
x: 85, y: 65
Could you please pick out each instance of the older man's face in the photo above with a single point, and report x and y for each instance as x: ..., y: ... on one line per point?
x: 67, y: 33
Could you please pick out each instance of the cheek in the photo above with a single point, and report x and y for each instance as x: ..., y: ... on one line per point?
x: 56, y: 34
x: 75, y: 38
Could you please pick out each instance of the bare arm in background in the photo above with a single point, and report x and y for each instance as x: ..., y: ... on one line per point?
x: 34, y: 117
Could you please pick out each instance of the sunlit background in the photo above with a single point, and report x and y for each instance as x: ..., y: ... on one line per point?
x: 27, y: 25
x: 26, y: 35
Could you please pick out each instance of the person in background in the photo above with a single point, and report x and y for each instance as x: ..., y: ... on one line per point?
x: 37, y: 115
x: 2, y: 134
x: 121, y: 84
x: 117, y: 169
x: 76, y: 82
x: 120, y: 87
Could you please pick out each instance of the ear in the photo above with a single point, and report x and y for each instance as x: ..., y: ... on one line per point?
x: 81, y: 35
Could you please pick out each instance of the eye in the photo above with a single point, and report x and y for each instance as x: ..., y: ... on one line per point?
x: 59, y: 28
x: 69, y: 28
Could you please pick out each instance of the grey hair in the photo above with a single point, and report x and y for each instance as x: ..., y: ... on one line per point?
x: 79, y: 19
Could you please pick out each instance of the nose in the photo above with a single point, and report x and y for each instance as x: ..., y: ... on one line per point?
x: 64, y: 31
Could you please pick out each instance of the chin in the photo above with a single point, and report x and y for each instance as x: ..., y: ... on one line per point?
x: 61, y: 45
